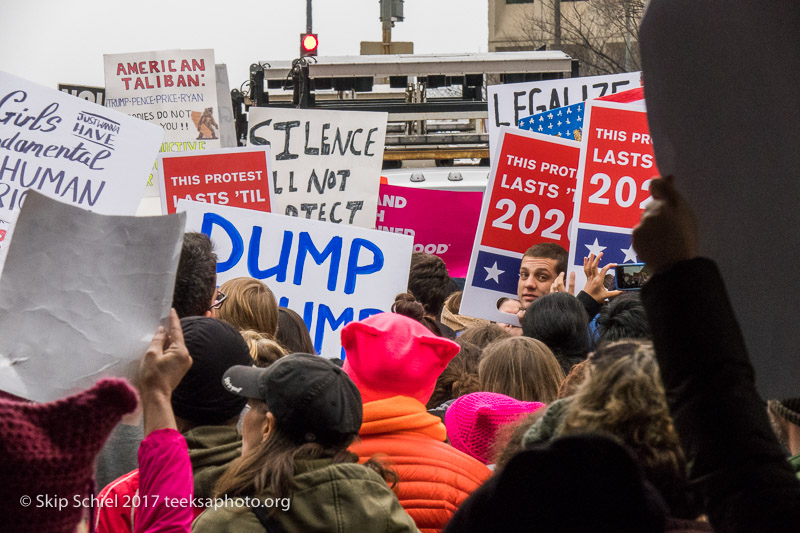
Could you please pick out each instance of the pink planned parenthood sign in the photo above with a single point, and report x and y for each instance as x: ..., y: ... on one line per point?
x: 442, y: 222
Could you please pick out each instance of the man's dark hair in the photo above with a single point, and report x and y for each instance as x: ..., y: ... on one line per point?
x: 196, y: 278
x: 623, y: 318
x: 559, y: 320
x: 429, y: 282
x: 550, y: 250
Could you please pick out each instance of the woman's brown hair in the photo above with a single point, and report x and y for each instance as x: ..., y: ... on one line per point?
x: 522, y: 368
x: 250, y: 304
x: 270, y: 466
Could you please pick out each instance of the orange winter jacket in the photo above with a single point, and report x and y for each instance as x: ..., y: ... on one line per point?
x: 435, y: 478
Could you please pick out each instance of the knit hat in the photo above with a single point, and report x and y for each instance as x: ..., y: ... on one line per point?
x: 393, y: 355
x: 215, y: 346
x: 311, y: 398
x: 788, y: 409
x: 48, y: 451
x: 473, y: 420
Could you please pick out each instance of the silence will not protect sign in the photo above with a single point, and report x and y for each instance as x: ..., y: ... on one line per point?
x: 327, y: 164
x: 616, y: 168
x: 529, y: 200
x: 329, y: 274
x: 174, y: 89
x: 69, y: 149
x: 236, y: 177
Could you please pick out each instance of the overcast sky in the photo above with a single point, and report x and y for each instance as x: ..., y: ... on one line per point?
x: 63, y: 41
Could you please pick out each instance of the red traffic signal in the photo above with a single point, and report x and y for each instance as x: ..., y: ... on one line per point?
x: 308, y: 44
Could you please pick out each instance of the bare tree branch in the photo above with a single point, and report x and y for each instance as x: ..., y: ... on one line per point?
x: 602, y: 34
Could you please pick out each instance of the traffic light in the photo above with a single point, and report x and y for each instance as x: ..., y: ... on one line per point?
x: 308, y: 44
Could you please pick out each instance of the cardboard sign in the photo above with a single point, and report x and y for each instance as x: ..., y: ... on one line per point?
x: 616, y: 167
x: 82, y: 295
x: 510, y: 102
x: 724, y: 119
x: 69, y: 149
x: 327, y: 163
x: 174, y: 89
x: 529, y: 200
x: 238, y: 177
x: 95, y: 95
x: 442, y: 223
x: 565, y: 122
x: 330, y: 275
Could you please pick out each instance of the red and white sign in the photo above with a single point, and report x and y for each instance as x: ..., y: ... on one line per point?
x: 616, y: 167
x: 236, y: 177
x: 529, y: 200
x: 531, y: 194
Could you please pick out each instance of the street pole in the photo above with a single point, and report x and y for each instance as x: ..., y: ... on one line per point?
x: 308, y: 17
x: 557, y: 24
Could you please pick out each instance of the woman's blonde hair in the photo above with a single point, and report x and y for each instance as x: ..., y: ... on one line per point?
x: 522, y: 368
x: 263, y: 350
x: 623, y: 395
x: 250, y: 304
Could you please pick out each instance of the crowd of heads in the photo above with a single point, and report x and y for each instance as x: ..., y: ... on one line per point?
x: 525, y: 403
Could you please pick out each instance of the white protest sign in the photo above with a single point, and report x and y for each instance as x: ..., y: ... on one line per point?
x: 69, y: 149
x: 510, y: 102
x: 327, y: 163
x: 529, y: 200
x: 174, y: 89
x: 82, y: 295
x: 330, y: 275
x: 722, y: 107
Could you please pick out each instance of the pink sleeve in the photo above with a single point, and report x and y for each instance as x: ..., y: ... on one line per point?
x: 166, y: 487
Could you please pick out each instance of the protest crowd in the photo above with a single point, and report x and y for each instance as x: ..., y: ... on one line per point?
x: 297, y: 383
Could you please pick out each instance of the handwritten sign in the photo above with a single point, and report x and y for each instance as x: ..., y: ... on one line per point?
x: 82, y: 294
x: 238, y: 177
x: 442, y: 223
x: 330, y: 275
x: 69, y: 149
x: 327, y: 163
x: 529, y: 200
x: 510, y: 102
x: 175, y: 89
x: 616, y: 168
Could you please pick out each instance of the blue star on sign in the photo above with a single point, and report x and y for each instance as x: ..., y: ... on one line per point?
x: 496, y: 272
x: 615, y: 246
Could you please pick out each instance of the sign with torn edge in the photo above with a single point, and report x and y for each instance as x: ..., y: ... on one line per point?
x: 82, y: 295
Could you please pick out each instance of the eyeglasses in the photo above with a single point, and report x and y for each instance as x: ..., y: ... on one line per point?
x: 221, y: 297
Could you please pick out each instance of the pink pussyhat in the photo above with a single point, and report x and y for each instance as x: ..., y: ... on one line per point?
x: 472, y: 421
x: 393, y: 355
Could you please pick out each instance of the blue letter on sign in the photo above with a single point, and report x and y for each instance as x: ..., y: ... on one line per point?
x: 354, y: 270
x: 279, y: 270
x: 237, y: 245
x: 305, y: 246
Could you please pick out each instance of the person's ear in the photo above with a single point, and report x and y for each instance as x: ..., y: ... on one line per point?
x: 211, y: 313
x: 269, y: 425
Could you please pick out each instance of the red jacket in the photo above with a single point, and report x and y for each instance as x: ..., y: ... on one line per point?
x: 435, y: 478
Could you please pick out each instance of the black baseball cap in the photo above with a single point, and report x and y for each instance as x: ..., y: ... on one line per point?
x: 312, y: 399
